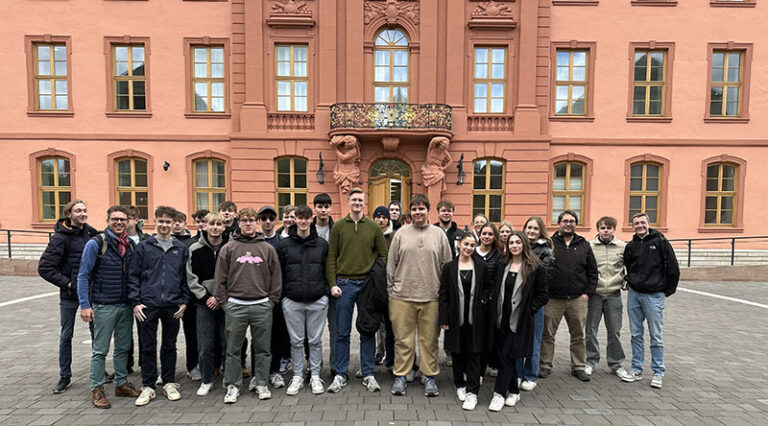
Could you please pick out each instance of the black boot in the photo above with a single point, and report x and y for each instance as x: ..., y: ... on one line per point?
x: 63, y: 384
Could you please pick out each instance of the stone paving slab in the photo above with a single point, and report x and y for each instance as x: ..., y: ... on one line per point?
x: 716, y: 358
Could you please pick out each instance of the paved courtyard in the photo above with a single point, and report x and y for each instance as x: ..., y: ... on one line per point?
x: 716, y: 357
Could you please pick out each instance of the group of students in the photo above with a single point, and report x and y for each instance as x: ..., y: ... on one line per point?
x: 498, y: 295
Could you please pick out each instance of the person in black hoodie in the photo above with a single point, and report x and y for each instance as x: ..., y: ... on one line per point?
x: 305, y: 296
x: 201, y: 269
x: 445, y: 215
x: 652, y: 275
x: 573, y: 281
x: 59, y: 265
x: 463, y: 296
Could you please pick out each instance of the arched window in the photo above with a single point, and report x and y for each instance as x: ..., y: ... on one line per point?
x: 291, y: 182
x: 54, y: 187
x: 488, y: 188
x: 722, y: 193
x: 568, y: 188
x: 132, y: 185
x: 210, y: 183
x: 391, y: 67
x: 645, y: 185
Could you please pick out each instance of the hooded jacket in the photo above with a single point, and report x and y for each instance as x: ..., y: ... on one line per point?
x: 201, y: 266
x: 651, y: 264
x: 302, y: 261
x: 248, y: 269
x: 60, y: 261
x: 610, y: 264
x: 158, y: 277
x: 454, y: 236
x: 574, y: 271
x: 541, y: 249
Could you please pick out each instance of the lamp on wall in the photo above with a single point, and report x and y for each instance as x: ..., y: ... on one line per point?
x: 320, y: 173
x: 462, y: 175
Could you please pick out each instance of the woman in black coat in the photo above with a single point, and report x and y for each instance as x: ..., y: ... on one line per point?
x: 519, y: 292
x: 463, y: 295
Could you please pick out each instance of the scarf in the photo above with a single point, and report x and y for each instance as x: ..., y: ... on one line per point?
x: 122, y: 243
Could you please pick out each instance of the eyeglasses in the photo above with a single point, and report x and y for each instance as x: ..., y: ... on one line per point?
x: 568, y: 221
x: 267, y: 218
x: 118, y: 219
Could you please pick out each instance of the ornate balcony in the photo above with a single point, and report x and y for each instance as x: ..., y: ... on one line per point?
x: 392, y: 118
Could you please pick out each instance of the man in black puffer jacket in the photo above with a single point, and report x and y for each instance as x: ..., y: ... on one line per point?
x: 573, y: 281
x: 305, y: 296
x: 652, y: 275
x: 59, y: 265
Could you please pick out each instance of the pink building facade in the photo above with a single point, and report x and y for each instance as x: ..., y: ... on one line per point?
x: 604, y: 107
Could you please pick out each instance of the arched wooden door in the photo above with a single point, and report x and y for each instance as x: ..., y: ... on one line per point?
x: 388, y: 180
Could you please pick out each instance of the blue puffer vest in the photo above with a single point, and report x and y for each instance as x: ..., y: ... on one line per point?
x: 110, y: 277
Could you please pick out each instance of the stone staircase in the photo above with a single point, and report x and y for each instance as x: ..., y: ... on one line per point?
x: 22, y: 251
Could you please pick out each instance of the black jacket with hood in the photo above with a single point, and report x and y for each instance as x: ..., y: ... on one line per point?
x: 454, y: 236
x: 201, y: 266
x: 302, y: 261
x: 651, y: 264
x: 574, y: 270
x: 60, y: 261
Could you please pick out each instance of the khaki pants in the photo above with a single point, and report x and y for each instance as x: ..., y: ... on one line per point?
x: 575, y: 312
x: 408, y: 319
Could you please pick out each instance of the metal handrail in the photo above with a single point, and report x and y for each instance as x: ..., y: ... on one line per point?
x: 9, y: 234
x: 689, y: 243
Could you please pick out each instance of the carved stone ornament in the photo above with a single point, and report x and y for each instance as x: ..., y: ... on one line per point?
x: 347, y: 171
x: 290, y: 7
x: 391, y: 10
x: 491, y: 9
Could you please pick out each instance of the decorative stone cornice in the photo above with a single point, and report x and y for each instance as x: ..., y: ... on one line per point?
x: 391, y: 11
x: 290, y: 14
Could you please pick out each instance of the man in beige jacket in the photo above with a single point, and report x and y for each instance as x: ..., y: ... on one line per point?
x: 416, y: 257
x: 609, y: 255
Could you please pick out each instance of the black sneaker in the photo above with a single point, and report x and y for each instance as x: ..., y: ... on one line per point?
x: 108, y: 377
x: 581, y: 375
x: 63, y: 384
x: 544, y: 372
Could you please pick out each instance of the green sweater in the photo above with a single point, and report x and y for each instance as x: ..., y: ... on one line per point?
x: 353, y: 248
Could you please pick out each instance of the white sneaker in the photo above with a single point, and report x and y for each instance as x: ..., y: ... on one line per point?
x: 297, y: 382
x: 171, y: 390
x: 461, y: 393
x: 195, y: 374
x: 632, y: 377
x: 359, y: 374
x: 588, y: 369
x: 493, y: 372
x: 316, y: 384
x: 232, y: 394
x: 277, y: 381
x: 371, y: 384
x: 338, y: 382
x: 470, y: 402
x: 512, y: 399
x: 497, y: 402
x: 527, y: 386
x: 252, y: 385
x: 623, y: 374
x: 204, y: 389
x: 657, y: 381
x: 263, y: 392
x: 147, y: 394
x: 159, y: 381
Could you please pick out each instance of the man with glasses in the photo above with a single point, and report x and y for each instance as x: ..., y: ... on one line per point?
x: 356, y: 242
x: 573, y: 281
x: 102, y: 289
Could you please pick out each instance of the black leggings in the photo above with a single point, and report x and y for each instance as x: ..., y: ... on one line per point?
x: 507, y: 378
x: 466, y: 362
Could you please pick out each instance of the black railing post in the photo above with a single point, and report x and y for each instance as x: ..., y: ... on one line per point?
x: 689, y: 252
x: 733, y: 249
x: 10, y: 253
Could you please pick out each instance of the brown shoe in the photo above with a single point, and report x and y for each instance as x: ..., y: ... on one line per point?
x: 127, y: 389
x: 99, y: 399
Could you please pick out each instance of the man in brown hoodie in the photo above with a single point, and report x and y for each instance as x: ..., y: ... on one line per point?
x: 248, y: 284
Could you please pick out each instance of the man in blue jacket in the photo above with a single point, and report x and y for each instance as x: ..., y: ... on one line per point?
x: 652, y: 275
x: 59, y: 265
x: 102, y: 288
x: 158, y: 292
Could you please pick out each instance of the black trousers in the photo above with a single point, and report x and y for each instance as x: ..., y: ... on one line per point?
x: 189, y: 322
x: 148, y: 334
x: 281, y: 342
x: 507, y: 378
x: 130, y: 352
x: 466, y: 362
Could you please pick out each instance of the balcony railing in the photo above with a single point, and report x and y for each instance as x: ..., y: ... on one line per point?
x: 391, y: 116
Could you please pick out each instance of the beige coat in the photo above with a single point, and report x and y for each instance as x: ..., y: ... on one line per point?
x: 610, y: 265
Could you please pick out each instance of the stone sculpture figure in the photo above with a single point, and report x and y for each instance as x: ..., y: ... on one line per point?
x: 438, y: 159
x: 347, y: 171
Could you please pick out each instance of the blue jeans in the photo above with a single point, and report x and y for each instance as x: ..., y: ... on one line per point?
x: 646, y: 307
x: 68, y: 313
x: 528, y: 368
x: 345, y: 306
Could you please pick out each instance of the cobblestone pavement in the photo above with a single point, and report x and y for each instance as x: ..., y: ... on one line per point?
x: 716, y: 357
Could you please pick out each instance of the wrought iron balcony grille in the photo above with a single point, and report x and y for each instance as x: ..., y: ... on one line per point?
x: 391, y: 116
